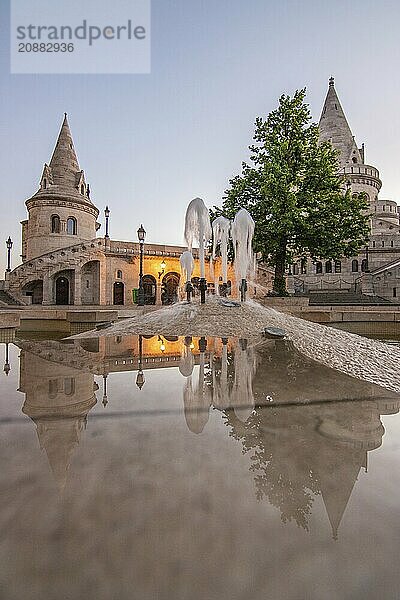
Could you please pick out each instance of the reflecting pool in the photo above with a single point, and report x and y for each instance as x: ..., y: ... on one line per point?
x: 206, y: 468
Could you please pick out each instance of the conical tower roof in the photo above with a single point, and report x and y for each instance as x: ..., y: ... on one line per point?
x: 337, y: 473
x: 64, y: 162
x: 62, y: 179
x: 333, y: 127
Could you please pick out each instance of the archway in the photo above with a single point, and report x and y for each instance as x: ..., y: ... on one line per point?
x: 170, y: 285
x: 91, y: 283
x: 118, y: 293
x: 34, y: 290
x: 62, y: 291
x: 150, y: 289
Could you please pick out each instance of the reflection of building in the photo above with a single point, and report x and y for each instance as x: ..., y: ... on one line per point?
x: 58, y: 382
x: 315, y: 435
x: 308, y: 429
x: 300, y: 452
x: 58, y: 399
x: 62, y: 260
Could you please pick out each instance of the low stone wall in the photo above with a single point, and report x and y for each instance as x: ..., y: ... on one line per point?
x: 9, y: 319
x: 290, y: 304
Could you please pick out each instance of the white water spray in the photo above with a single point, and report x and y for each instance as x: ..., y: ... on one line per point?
x: 187, y: 265
x: 221, y: 229
x: 242, y: 237
x: 198, y: 228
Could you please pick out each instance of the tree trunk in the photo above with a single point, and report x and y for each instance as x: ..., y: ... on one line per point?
x: 280, y: 266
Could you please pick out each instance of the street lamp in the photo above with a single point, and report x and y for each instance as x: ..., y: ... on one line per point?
x: 367, y: 259
x: 7, y: 367
x: 105, y: 397
x: 141, y: 233
x: 163, y: 265
x: 162, y: 344
x: 107, y: 216
x: 140, y: 376
x: 9, y: 245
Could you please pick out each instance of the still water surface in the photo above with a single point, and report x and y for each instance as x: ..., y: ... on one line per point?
x: 171, y: 468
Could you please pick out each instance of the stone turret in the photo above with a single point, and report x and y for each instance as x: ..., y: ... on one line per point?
x: 333, y: 127
x: 61, y: 212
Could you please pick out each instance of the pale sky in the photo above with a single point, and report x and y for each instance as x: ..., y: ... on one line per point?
x: 151, y: 143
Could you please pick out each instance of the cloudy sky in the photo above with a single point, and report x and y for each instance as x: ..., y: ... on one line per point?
x: 151, y: 143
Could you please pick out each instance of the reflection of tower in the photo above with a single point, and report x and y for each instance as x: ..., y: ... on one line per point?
x: 58, y: 399
x: 298, y: 452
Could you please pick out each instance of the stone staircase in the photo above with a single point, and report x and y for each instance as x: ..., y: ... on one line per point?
x: 346, y: 298
x: 50, y: 263
x: 7, y: 299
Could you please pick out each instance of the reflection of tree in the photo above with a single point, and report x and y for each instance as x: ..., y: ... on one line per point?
x: 300, y: 451
x: 275, y: 478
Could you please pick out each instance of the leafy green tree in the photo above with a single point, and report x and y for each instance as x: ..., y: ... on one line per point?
x: 293, y: 190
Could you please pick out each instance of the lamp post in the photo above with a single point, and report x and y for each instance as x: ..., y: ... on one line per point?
x: 105, y: 397
x: 160, y: 273
x: 9, y: 245
x: 7, y: 367
x: 141, y: 237
x: 107, y: 216
x: 140, y: 376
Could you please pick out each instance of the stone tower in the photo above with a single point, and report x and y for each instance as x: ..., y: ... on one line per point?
x: 61, y: 213
x: 333, y: 127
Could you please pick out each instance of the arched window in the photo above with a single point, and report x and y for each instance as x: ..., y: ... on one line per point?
x: 119, y: 274
x: 53, y: 388
x: 71, y: 226
x: 44, y: 184
x: 354, y: 266
x: 364, y: 265
x: 55, y: 224
x: 69, y: 386
x: 328, y: 267
x: 354, y: 159
x: 303, y: 267
x: 338, y: 266
x: 318, y: 268
x: 82, y: 189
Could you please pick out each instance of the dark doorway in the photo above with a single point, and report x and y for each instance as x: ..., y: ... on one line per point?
x: 34, y: 289
x: 150, y: 289
x: 62, y: 291
x: 170, y: 285
x: 119, y: 293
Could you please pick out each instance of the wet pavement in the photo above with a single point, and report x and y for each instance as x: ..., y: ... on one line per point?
x: 236, y: 471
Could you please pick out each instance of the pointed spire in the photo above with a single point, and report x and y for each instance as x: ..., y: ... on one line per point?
x: 337, y: 481
x: 333, y: 127
x: 64, y: 162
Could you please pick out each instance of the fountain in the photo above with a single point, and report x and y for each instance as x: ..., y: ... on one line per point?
x: 242, y: 237
x: 198, y: 228
x: 187, y: 265
x: 221, y: 229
